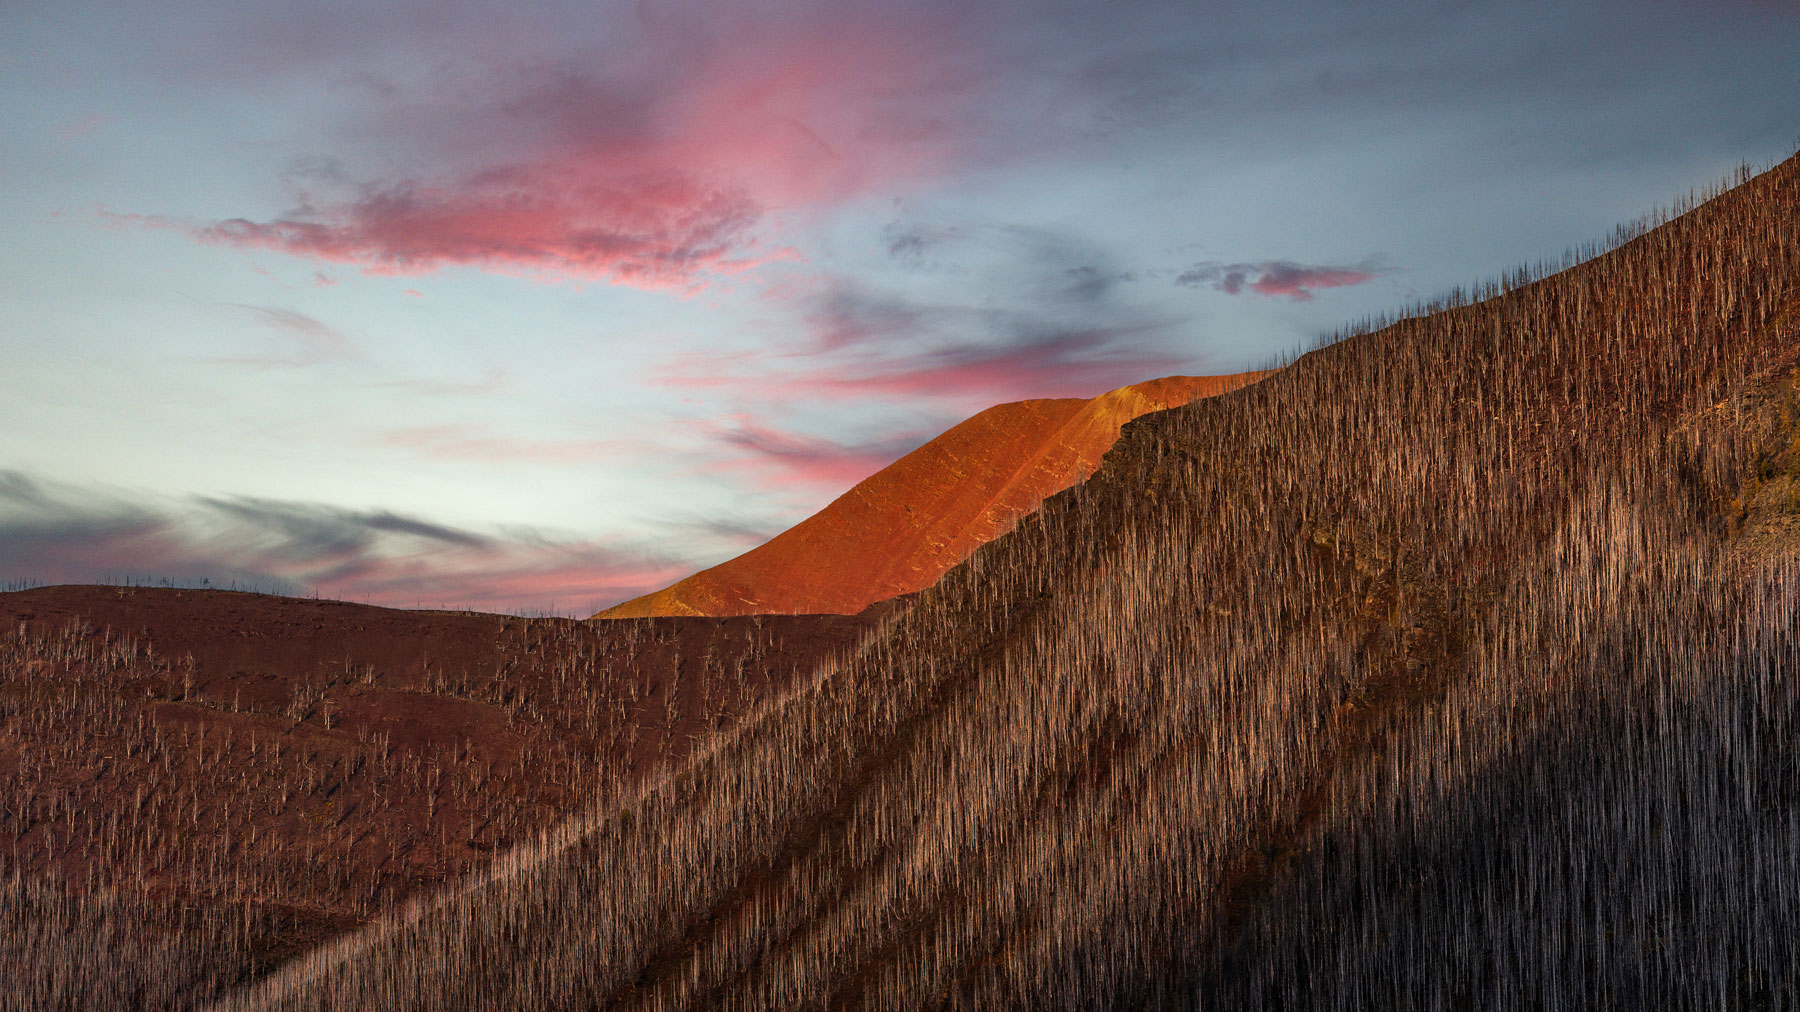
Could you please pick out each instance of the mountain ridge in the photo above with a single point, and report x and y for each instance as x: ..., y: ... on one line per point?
x: 899, y: 530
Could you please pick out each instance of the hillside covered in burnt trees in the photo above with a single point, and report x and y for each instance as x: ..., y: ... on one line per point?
x: 1454, y: 665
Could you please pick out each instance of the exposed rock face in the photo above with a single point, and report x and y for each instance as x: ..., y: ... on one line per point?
x: 902, y: 528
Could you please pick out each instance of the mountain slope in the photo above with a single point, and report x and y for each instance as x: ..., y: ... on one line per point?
x: 1429, y: 672
x: 899, y: 530
x: 1456, y: 665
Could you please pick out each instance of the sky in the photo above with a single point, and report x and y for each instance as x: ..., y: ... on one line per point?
x: 534, y: 307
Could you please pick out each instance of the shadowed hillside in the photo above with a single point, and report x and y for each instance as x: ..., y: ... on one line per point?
x: 1453, y: 666
x: 901, y: 529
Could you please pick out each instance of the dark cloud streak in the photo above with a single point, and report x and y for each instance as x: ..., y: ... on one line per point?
x: 66, y: 534
x: 1277, y: 277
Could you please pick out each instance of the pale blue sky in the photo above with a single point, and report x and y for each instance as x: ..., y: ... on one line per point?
x: 536, y: 306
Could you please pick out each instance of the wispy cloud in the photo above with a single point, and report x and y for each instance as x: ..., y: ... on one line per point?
x: 306, y: 340
x: 736, y: 532
x: 68, y: 534
x: 653, y: 166
x: 1047, y: 362
x: 1277, y: 277
x: 1055, y: 324
x: 1040, y: 360
x: 648, y: 229
x: 776, y: 458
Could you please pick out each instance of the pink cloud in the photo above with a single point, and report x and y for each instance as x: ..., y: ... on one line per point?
x: 1276, y: 277
x: 657, y: 176
x: 645, y: 231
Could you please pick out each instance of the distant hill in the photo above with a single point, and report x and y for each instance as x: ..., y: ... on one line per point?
x: 243, y: 776
x: 901, y: 529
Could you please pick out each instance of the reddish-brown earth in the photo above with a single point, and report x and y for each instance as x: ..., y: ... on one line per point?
x: 901, y: 529
x: 285, y: 768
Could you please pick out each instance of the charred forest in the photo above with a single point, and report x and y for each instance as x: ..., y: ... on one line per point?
x: 1455, y: 664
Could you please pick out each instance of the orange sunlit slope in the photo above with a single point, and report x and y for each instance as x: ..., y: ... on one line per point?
x: 902, y: 528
